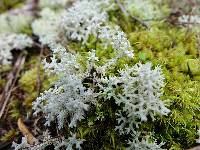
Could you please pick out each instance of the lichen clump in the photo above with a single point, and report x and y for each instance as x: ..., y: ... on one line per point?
x: 102, y: 75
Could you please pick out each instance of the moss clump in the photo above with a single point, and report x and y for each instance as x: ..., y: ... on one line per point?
x: 33, y: 81
x: 177, y: 51
x: 9, y: 4
x: 9, y: 135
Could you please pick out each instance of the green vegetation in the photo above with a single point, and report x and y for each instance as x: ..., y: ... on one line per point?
x: 172, y: 47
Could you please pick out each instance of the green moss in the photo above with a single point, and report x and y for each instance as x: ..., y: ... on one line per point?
x: 28, y: 80
x: 33, y: 81
x: 14, y: 109
x: 9, y: 135
x: 177, y: 51
x: 194, y: 66
x: 9, y: 4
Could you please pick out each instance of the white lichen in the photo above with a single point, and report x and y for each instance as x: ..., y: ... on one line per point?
x: 198, y: 140
x: 141, y: 89
x: 144, y: 9
x: 144, y: 143
x: 53, y: 3
x: 77, y: 22
x: 47, y: 27
x: 68, y: 143
x: 14, y: 22
x: 11, y: 41
x: 189, y: 19
x: 68, y: 98
x: 84, y: 18
x: 117, y: 38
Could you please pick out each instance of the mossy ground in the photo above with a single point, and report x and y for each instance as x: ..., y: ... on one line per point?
x: 176, y: 51
x: 174, y: 48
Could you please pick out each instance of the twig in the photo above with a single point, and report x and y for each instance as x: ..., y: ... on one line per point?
x: 12, y: 78
x: 22, y: 127
x: 122, y: 8
x: 7, y: 110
